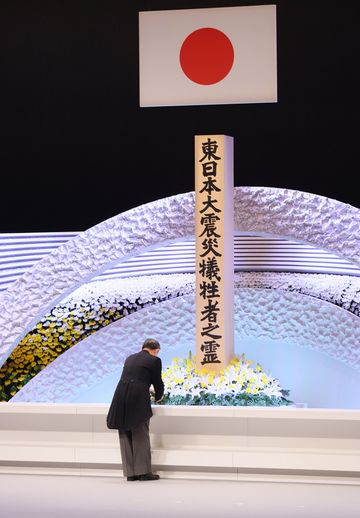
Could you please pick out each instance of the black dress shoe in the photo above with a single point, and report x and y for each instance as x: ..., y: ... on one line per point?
x: 132, y: 478
x: 149, y: 476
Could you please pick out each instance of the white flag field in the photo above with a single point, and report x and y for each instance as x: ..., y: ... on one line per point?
x: 224, y: 55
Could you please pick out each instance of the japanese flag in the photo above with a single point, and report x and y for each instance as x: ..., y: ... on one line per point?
x: 208, y: 56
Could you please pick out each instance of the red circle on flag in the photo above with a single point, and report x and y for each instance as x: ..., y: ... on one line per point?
x: 206, y: 56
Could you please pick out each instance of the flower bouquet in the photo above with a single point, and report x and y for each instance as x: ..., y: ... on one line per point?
x: 238, y: 384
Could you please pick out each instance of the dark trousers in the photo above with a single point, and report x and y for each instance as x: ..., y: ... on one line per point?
x: 135, y: 450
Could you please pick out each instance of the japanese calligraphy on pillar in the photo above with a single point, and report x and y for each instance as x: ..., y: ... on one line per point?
x: 214, y: 223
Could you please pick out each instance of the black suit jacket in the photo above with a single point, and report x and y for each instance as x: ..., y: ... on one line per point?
x: 131, y: 404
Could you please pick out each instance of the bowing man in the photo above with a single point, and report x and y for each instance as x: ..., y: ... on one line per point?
x: 130, y: 410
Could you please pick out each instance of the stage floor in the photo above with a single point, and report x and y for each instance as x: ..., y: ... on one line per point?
x: 41, y: 496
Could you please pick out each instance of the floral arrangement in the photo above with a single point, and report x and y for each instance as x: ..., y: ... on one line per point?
x: 238, y: 385
x: 57, y: 331
x: 83, y: 313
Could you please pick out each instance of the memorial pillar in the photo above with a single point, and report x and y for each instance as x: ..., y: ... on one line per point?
x: 214, y: 224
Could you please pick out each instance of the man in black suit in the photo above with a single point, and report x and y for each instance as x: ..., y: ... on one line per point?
x: 130, y: 410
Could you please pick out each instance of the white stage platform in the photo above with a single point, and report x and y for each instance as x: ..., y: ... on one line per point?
x: 231, y: 443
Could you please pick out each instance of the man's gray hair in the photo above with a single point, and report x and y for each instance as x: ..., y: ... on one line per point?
x: 151, y: 343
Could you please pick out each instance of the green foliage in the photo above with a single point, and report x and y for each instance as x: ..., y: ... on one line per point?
x: 208, y: 399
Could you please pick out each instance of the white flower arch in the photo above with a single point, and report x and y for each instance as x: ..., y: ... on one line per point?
x: 323, y: 222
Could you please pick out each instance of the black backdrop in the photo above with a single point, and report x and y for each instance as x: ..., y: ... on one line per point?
x: 75, y: 148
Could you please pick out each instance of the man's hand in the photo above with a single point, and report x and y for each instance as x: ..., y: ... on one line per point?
x: 152, y: 394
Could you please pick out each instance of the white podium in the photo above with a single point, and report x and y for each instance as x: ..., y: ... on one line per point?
x: 198, y: 442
